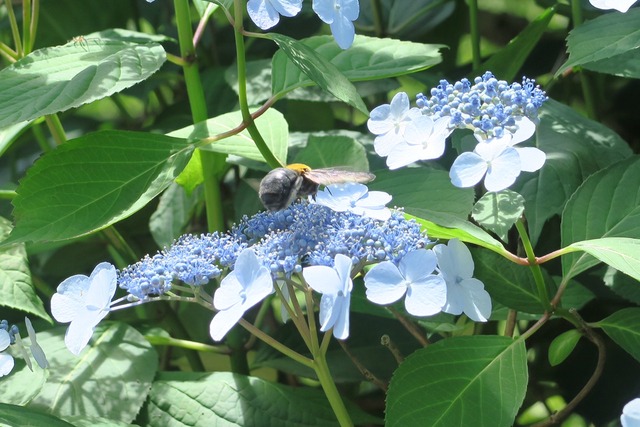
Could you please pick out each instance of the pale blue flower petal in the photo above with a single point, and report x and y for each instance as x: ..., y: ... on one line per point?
x: 631, y: 414
x: 378, y: 122
x: 343, y: 31
x: 426, y: 296
x: 224, y: 320
x: 620, y: 5
x: 229, y: 293
x: 350, y: 9
x: 526, y: 129
x: 329, y: 311
x: 418, y: 264
x: 403, y: 154
x: 374, y: 200
x: 261, y: 286
x: 80, y: 331
x: 467, y: 170
x: 387, y: 143
x: 325, y: 10
x: 103, y: 281
x: 476, y: 303
x: 5, y: 340
x: 531, y: 158
x: 342, y: 266
x: 454, y: 260
x: 503, y: 170
x: 384, y: 283
x: 65, y: 308
x: 263, y: 14
x: 341, y: 326
x: 36, y: 350
x: 322, y: 279
x: 418, y: 130
x: 287, y: 8
x: 6, y: 364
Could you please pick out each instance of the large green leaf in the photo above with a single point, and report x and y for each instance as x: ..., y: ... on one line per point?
x: 620, y: 253
x: 94, y: 181
x: 509, y: 60
x: 14, y: 415
x: 624, y: 328
x: 606, y: 205
x: 224, y: 398
x: 606, y: 43
x: 425, y: 188
x: 272, y: 126
x: 55, y: 79
x: 575, y: 147
x: 368, y: 58
x: 333, y: 151
x: 172, y: 215
x: 464, y: 381
x: 498, y: 212
x: 110, y: 379
x: 15, y: 278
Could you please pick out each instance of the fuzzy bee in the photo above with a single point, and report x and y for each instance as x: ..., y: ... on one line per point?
x: 282, y: 186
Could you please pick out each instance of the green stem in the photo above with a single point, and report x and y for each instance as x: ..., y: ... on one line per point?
x: 212, y: 164
x: 475, y: 33
x: 186, y: 344
x: 271, y: 160
x: 8, y: 53
x: 8, y: 194
x: 376, y: 9
x: 119, y: 243
x: 330, y: 390
x: 56, y: 129
x: 26, y: 27
x: 585, y: 80
x: 15, y: 31
x: 41, y: 139
x: 533, y: 264
x: 33, y: 25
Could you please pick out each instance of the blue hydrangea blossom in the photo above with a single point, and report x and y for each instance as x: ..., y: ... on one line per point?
x: 266, y: 13
x: 339, y: 14
x: 465, y: 294
x: 426, y: 292
x: 6, y: 360
x: 356, y: 198
x: 335, y: 285
x: 83, y: 302
x: 248, y: 284
x: 631, y: 414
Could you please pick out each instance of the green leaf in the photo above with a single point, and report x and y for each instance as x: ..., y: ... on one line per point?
x: 58, y: 78
x: 509, y: 60
x: 333, y: 151
x: 508, y: 283
x: 575, y: 147
x: 562, y: 346
x: 498, y: 211
x: 606, y: 205
x: 443, y: 226
x: 15, y: 277
x: 172, y: 214
x: 14, y: 415
x: 424, y: 189
x: 368, y: 58
x: 94, y: 181
x: 613, y: 37
x: 272, y: 126
x: 619, y: 252
x: 470, y: 381
x: 110, y: 379
x: 624, y: 328
x: 622, y: 285
x: 10, y: 134
x: 224, y: 398
x: 318, y: 69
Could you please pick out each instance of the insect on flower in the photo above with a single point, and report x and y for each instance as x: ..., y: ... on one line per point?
x: 282, y: 186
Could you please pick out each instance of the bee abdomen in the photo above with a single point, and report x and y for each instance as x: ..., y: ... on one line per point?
x: 279, y: 188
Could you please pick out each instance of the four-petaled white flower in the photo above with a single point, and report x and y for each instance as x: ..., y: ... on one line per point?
x: 423, y: 139
x: 339, y: 14
x: 389, y: 121
x: 356, y: 198
x: 6, y: 360
x: 620, y: 5
x: 84, y: 301
x: 335, y: 285
x: 498, y: 159
x: 266, y: 13
x: 248, y: 284
x: 631, y: 414
x: 464, y: 293
x: 426, y: 292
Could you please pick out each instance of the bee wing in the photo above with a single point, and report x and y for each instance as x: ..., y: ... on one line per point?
x: 337, y: 176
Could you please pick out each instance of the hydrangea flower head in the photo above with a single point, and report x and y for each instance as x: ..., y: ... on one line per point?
x: 356, y: 198
x: 620, y: 5
x: 335, y: 285
x: 339, y: 14
x: 464, y: 293
x: 84, y: 301
x: 426, y: 292
x: 248, y: 284
x: 266, y: 13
